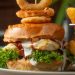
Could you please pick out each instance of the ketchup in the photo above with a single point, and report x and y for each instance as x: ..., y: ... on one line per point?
x: 21, y: 50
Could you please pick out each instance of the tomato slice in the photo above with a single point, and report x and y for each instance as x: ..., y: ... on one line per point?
x: 20, y: 48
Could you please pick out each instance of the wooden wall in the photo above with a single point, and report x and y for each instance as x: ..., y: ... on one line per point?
x: 8, y: 10
x: 8, y: 16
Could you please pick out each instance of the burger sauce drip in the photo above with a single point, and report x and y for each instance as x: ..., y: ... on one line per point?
x: 21, y: 50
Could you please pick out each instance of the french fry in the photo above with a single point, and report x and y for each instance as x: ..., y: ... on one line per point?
x: 71, y: 14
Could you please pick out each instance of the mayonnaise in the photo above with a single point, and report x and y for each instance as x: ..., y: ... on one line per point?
x: 27, y: 48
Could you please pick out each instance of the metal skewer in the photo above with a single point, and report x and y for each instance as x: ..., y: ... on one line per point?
x: 66, y: 38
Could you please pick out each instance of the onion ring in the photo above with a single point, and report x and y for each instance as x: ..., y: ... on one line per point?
x: 31, y: 13
x: 36, y: 20
x: 23, y: 4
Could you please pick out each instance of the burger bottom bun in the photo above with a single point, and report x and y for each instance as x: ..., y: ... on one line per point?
x: 48, y: 12
x: 54, y: 66
x: 37, y: 19
x: 25, y: 65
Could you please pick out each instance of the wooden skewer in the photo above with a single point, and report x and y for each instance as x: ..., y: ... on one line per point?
x: 35, y: 1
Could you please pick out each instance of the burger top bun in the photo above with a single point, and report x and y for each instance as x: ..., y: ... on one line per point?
x: 19, y: 32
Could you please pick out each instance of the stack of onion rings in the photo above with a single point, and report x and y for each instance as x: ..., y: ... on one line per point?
x: 35, y: 13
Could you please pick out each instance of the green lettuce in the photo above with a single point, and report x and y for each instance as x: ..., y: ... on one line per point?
x: 6, y: 55
x: 46, y: 56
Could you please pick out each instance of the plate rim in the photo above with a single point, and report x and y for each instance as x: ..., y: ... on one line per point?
x: 36, y: 72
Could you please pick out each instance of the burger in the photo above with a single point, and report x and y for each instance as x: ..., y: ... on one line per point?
x: 39, y: 46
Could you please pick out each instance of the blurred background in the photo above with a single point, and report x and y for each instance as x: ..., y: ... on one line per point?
x: 8, y: 16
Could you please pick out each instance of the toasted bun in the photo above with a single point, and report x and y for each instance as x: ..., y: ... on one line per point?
x: 54, y: 66
x: 29, y: 31
x: 21, y: 64
x: 26, y: 65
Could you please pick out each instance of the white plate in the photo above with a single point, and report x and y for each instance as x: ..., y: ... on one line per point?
x: 19, y: 72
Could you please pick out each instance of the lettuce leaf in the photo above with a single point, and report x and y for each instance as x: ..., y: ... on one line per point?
x: 6, y: 55
x: 46, y: 56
